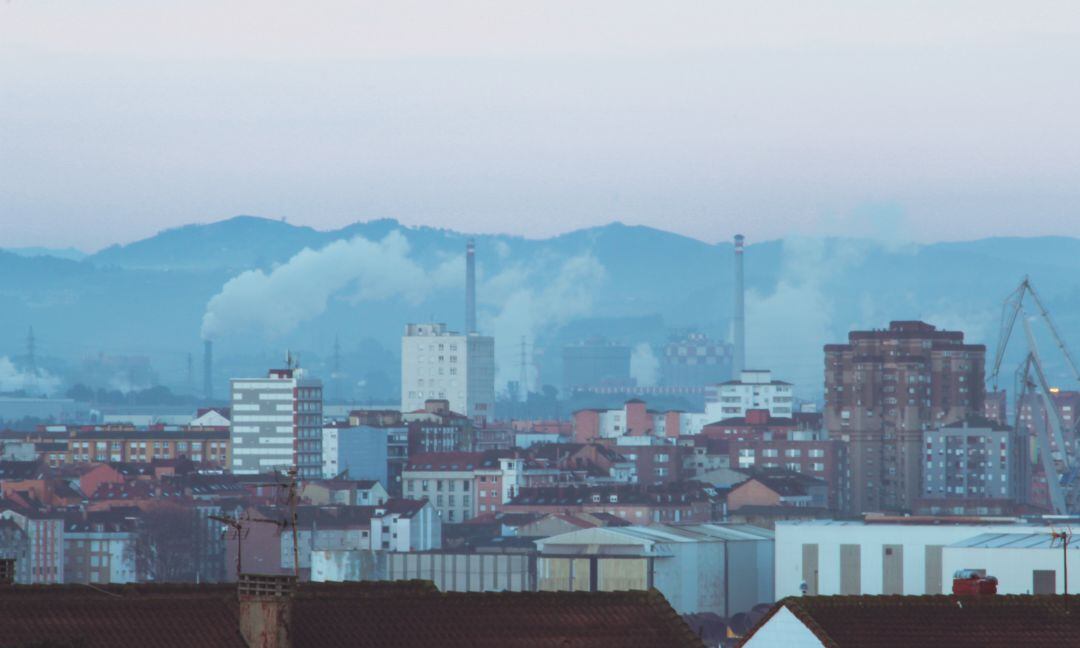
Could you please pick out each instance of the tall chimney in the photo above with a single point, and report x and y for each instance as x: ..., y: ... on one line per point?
x: 266, y: 609
x: 470, y: 287
x: 208, y: 369
x: 738, y: 362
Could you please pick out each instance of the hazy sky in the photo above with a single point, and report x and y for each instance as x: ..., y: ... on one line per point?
x: 926, y: 120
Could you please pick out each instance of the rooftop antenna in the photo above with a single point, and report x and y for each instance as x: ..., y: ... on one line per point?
x: 288, y: 359
x: 240, y: 528
x: 1065, y: 537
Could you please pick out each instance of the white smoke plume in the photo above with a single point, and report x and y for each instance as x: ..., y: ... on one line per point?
x: 14, y: 379
x: 786, y: 330
x: 524, y: 312
x: 644, y: 365
x: 277, y: 302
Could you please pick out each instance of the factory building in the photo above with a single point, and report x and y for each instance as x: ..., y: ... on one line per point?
x: 878, y: 555
x: 720, y: 568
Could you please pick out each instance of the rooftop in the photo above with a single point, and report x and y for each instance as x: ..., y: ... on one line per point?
x: 404, y: 613
x: 967, y: 622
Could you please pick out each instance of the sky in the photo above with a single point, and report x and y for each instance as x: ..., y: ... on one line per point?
x: 918, y: 120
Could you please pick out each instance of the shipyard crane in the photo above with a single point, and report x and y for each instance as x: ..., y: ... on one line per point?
x: 1031, y: 378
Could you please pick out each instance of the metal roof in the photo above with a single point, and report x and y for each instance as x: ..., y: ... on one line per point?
x: 1012, y: 541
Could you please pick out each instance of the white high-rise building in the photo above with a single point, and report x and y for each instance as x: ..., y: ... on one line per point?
x: 440, y: 364
x: 755, y: 389
x: 277, y: 423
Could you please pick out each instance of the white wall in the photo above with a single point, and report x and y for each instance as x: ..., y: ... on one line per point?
x: 790, y: 537
x: 1013, y: 567
x: 783, y: 629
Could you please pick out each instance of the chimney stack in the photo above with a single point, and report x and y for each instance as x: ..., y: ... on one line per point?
x: 266, y: 609
x: 470, y: 287
x: 738, y: 362
x: 208, y: 370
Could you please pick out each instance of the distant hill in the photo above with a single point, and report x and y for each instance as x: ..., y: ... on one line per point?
x: 148, y: 297
x: 69, y: 253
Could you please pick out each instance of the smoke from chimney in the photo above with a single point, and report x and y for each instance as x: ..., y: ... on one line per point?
x: 470, y: 287
x: 208, y: 369
x: 738, y: 361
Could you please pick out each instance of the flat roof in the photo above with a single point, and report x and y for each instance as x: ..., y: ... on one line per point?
x: 1012, y: 541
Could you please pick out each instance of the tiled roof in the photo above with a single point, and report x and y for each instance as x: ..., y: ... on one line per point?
x: 415, y: 614
x: 19, y: 470
x: 445, y: 461
x: 964, y: 622
x: 157, y: 615
x: 404, y: 613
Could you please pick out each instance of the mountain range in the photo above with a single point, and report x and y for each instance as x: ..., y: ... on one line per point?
x: 269, y: 286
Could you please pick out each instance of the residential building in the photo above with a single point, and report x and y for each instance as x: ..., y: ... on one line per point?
x: 277, y: 423
x: 654, y: 460
x: 674, y: 502
x: 445, y: 479
x: 439, y: 364
x: 397, y: 441
x: 209, y: 447
x: 355, y: 451
x: 406, y: 525
x: 44, y: 529
x: 754, y: 389
x: 882, y: 389
x: 15, y: 546
x: 635, y: 419
x: 974, y: 467
x: 724, y: 569
x: 779, y: 487
x: 100, y: 547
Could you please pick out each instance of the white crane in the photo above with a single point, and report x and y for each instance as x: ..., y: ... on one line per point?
x: 1032, y: 379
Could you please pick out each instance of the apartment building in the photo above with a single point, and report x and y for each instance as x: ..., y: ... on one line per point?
x: 277, y: 423
x: 883, y: 388
x: 437, y: 363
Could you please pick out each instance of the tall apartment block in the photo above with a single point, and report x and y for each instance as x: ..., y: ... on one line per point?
x: 277, y: 423
x: 439, y: 364
x: 882, y: 390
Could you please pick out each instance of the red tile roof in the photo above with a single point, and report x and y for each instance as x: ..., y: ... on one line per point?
x: 118, y: 617
x: 404, y: 613
x: 957, y: 622
x: 416, y: 614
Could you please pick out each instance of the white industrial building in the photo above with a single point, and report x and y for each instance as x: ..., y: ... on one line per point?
x: 439, y: 364
x: 755, y: 389
x: 885, y: 555
x: 1023, y: 563
x: 719, y: 568
x: 277, y: 423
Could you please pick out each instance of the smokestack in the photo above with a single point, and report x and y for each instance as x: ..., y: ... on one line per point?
x: 208, y: 369
x: 470, y: 287
x: 738, y: 362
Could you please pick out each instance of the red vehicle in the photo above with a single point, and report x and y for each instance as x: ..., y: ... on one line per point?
x: 973, y: 582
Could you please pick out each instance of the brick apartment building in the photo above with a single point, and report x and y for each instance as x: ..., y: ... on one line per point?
x: 882, y: 389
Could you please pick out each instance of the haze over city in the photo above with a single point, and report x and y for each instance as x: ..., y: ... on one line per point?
x: 539, y: 324
x: 925, y: 121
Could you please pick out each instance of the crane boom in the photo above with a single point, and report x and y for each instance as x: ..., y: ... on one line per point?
x: 1053, y: 329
